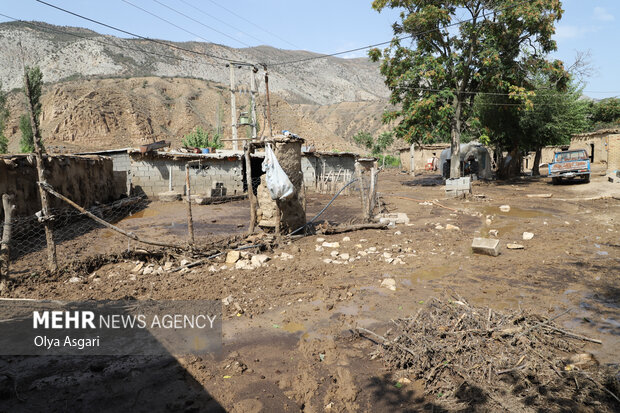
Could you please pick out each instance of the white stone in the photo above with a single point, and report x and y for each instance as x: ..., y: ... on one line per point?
x: 363, y: 240
x: 439, y: 226
x: 334, y: 254
x: 259, y: 260
x: 213, y: 268
x: 284, y: 256
x: 168, y: 266
x: 318, y: 248
x: 488, y: 222
x: 346, y: 239
x: 528, y: 236
x: 393, y: 218
x: 344, y: 256
x: 327, y: 260
x: 138, y: 267
x: 397, y: 233
x: 148, y: 270
x: 387, y: 255
x: 389, y: 283
x: 514, y: 246
x: 451, y: 227
x: 320, y: 239
x: 362, y: 253
x: 75, y: 280
x: 331, y: 245
x: 244, y: 265
x: 504, y: 208
x: 493, y: 232
x: 486, y: 246
x: 228, y: 300
x: 389, y: 260
x: 184, y: 263
x: 372, y: 249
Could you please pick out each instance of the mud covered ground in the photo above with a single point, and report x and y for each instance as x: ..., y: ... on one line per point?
x: 293, y: 346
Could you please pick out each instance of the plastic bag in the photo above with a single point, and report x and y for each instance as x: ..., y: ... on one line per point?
x: 280, y: 187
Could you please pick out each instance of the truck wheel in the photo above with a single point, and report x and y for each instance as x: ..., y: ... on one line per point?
x: 555, y: 180
x: 586, y: 178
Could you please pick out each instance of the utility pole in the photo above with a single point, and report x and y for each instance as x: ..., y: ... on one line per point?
x: 253, y: 99
x: 233, y: 107
x: 268, y: 104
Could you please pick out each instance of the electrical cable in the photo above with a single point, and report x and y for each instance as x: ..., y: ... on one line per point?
x: 209, y: 15
x: 324, y: 208
x: 180, y: 27
x: 137, y: 35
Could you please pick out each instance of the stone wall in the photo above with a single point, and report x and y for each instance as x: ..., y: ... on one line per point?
x: 150, y: 174
x: 86, y: 180
x: 315, y: 165
x: 598, y: 141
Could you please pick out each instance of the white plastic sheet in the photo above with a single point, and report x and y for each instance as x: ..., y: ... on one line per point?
x: 280, y: 187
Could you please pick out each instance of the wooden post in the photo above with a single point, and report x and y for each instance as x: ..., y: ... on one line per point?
x: 9, y: 207
x: 253, y: 100
x: 233, y: 107
x: 278, y: 218
x: 52, y: 263
x: 360, y: 181
x: 190, y: 221
x: 412, y: 160
x: 248, y: 177
x: 372, y: 192
x: 170, y: 178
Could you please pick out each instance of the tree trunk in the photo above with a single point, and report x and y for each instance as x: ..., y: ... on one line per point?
x: 9, y: 207
x: 455, y: 144
x: 535, y: 166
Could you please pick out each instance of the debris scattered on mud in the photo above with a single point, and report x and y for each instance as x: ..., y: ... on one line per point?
x: 469, y: 356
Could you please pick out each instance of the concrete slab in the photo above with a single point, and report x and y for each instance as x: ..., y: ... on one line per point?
x: 486, y: 246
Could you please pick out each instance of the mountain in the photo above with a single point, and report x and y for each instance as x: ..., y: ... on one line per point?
x: 103, y: 91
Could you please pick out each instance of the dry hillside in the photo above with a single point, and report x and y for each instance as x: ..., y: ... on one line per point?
x: 113, y: 113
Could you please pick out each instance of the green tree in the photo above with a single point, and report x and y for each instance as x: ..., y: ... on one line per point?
x: 200, y: 138
x: 363, y: 139
x: 4, y: 116
x: 434, y: 81
x: 605, y: 112
x: 550, y: 116
x: 35, y: 80
x: 26, y: 144
x: 383, y: 141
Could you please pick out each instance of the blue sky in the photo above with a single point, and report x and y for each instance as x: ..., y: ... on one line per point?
x: 319, y: 26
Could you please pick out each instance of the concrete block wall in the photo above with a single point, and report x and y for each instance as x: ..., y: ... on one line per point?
x: 150, y: 175
x: 309, y: 170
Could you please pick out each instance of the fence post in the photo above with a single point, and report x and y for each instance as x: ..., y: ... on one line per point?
x: 9, y: 207
x: 52, y: 262
x: 372, y: 192
x: 248, y: 178
x: 358, y: 174
x: 190, y: 221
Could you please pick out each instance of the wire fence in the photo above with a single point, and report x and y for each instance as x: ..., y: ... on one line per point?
x: 78, y: 236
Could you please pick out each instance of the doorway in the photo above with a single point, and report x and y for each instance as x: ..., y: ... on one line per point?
x: 591, y: 153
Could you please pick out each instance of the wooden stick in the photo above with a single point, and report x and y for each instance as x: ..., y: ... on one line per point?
x: 349, y: 228
x: 131, y: 235
x: 423, y: 200
x: 9, y: 207
x: 580, y: 337
x: 385, y: 340
x: 358, y: 173
x: 373, y: 192
x: 190, y: 220
x: 52, y: 262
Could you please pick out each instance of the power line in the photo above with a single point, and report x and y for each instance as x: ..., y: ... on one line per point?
x: 136, y: 35
x: 323, y: 56
x: 182, y: 28
x: 244, y: 19
x: 51, y: 29
x: 209, y: 15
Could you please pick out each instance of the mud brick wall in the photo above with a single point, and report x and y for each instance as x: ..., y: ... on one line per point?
x: 586, y: 142
x: 150, y: 175
x: 315, y: 165
x: 86, y: 180
x: 613, y: 153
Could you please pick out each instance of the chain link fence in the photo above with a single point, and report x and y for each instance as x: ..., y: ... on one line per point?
x: 77, y: 236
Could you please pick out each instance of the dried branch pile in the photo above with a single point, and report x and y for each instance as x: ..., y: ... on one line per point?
x: 468, y: 356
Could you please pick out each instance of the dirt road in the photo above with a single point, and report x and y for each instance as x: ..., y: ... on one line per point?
x: 292, y: 346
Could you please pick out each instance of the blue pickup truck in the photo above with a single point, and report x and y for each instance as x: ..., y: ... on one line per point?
x: 569, y: 165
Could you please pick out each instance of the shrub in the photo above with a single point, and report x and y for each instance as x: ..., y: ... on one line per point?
x: 200, y: 138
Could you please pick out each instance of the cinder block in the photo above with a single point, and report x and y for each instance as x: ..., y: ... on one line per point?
x: 486, y: 246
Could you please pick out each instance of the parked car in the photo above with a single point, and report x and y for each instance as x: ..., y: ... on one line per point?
x: 569, y: 165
